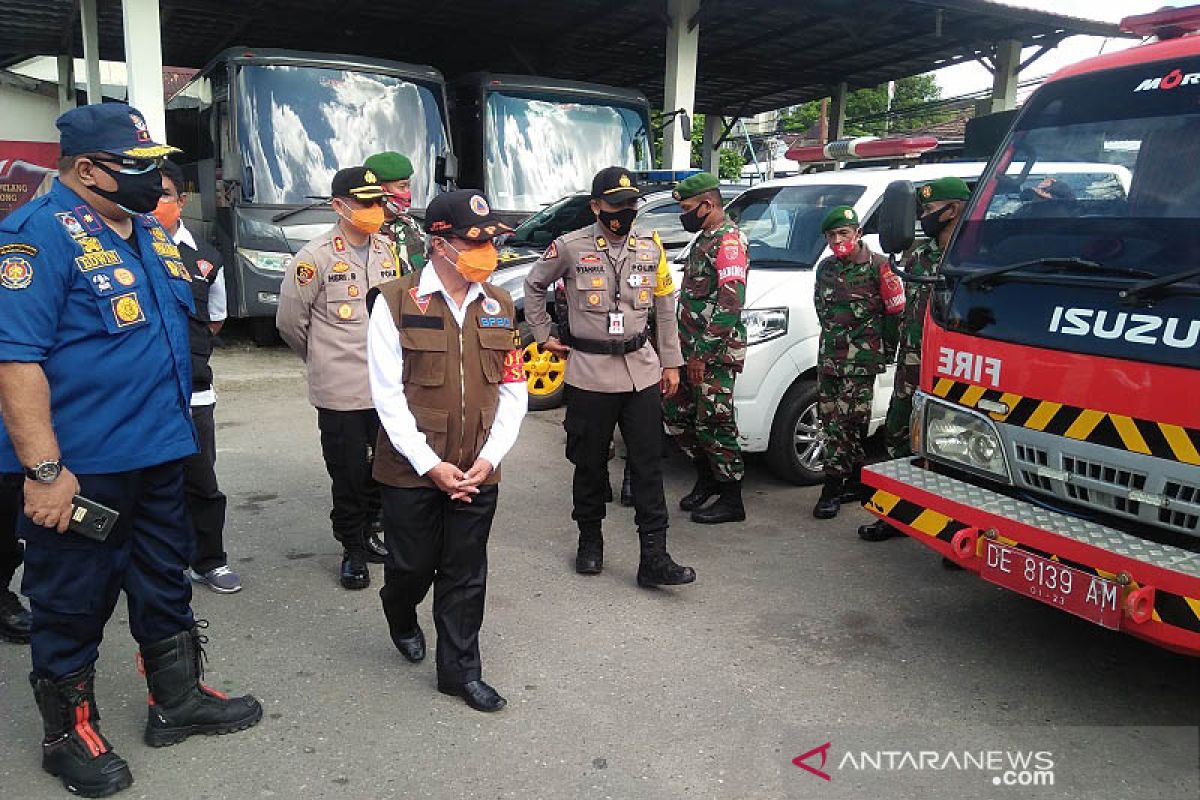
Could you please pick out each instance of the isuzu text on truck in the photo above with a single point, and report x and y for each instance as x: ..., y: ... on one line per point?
x: 1056, y: 432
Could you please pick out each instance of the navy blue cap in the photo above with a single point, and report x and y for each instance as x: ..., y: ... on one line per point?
x: 108, y: 128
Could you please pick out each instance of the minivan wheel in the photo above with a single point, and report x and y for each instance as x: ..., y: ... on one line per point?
x: 795, y: 452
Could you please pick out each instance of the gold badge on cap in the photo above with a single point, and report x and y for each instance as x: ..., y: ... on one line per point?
x: 926, y: 190
x: 848, y: 214
x: 369, y: 177
x: 624, y: 181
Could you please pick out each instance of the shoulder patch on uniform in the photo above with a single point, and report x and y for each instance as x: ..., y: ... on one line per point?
x: 15, y: 272
x: 551, y: 252
x: 305, y: 273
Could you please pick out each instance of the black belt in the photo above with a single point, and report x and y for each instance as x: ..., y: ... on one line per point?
x: 608, y: 347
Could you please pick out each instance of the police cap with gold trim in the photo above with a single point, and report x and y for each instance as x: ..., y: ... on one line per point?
x: 358, y: 183
x: 614, y: 184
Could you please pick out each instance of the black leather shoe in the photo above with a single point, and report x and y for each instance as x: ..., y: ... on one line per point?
x: 477, y: 694
x: 830, y: 503
x: 376, y: 549
x: 878, y: 531
x: 411, y: 645
x: 15, y: 620
x: 589, y: 557
x: 355, y: 574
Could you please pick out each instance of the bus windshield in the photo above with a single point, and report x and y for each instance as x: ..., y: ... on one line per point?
x: 1101, y: 169
x: 298, y: 125
x: 537, y: 150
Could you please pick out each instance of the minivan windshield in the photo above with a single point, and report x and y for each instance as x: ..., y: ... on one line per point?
x: 783, y: 223
x: 1102, y: 169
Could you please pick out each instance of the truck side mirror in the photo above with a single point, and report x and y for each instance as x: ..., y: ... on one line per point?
x: 685, y: 125
x: 446, y: 170
x: 897, y: 215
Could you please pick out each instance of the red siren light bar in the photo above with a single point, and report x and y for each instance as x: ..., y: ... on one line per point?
x: 864, y: 147
x: 1167, y: 23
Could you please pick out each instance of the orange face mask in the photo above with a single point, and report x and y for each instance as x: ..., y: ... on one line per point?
x: 168, y: 213
x: 476, y: 264
x: 366, y: 220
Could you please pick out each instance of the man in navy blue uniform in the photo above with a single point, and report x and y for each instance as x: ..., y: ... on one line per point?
x: 95, y: 381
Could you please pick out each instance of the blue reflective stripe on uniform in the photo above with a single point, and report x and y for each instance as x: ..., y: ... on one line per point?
x: 120, y: 383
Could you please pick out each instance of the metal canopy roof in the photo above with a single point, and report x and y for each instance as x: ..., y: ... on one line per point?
x: 755, y: 55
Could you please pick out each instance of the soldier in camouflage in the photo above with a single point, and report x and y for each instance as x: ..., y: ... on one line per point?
x: 857, y: 340
x: 942, y: 203
x: 394, y: 172
x: 713, y: 340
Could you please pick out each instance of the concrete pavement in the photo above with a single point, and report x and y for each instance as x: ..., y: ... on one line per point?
x: 796, y: 634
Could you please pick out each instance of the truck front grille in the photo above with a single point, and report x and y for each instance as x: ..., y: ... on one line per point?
x: 1129, y: 485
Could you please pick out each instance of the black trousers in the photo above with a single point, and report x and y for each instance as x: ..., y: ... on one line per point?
x: 591, y: 417
x: 348, y: 445
x: 435, y: 541
x: 10, y: 510
x: 205, y: 502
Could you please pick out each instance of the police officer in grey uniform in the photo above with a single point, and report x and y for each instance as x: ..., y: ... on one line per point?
x: 615, y: 276
x: 323, y: 317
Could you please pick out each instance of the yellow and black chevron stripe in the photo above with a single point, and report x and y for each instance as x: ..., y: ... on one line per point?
x: 1158, y: 439
x: 1170, y: 609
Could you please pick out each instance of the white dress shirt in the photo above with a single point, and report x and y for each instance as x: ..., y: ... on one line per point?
x: 385, y: 362
x: 218, y: 308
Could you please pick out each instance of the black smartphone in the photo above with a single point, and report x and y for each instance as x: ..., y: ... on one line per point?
x: 90, y: 519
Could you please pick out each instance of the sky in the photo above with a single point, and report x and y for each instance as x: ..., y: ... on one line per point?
x: 963, y: 78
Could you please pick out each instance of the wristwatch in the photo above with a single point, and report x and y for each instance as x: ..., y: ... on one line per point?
x: 44, y: 472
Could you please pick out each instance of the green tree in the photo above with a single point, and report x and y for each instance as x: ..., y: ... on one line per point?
x: 915, y: 90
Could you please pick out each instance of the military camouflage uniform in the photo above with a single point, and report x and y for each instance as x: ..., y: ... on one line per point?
x: 711, y: 330
x: 857, y: 342
x: 405, y: 233
x: 923, y: 261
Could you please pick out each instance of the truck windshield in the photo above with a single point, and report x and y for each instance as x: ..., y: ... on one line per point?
x: 1099, y: 168
x: 537, y: 150
x: 297, y: 126
x: 783, y: 223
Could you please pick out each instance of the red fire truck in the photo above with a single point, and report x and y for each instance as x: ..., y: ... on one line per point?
x: 1056, y: 433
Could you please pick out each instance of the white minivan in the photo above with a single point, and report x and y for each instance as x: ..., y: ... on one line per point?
x: 776, y: 394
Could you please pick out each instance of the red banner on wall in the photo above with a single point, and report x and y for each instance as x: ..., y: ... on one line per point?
x: 24, y: 168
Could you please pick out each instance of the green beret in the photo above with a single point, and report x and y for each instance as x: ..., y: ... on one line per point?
x: 694, y: 185
x: 947, y: 188
x: 389, y: 166
x: 839, y: 217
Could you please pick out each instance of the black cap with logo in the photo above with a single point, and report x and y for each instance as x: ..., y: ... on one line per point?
x: 359, y: 183
x: 464, y: 213
x: 614, y: 184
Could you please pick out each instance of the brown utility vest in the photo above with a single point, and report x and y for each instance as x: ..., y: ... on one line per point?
x: 451, y: 376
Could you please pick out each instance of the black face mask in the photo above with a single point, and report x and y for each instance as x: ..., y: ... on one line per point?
x: 932, y: 223
x: 691, y: 221
x: 618, y: 223
x: 136, y: 194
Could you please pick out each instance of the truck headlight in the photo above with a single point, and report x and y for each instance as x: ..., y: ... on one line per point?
x: 764, y: 324
x: 958, y: 437
x: 266, y: 260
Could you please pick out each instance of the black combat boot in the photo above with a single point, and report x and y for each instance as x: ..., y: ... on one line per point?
x: 878, y: 531
x: 627, y: 487
x: 355, y: 574
x: 656, y: 567
x: 589, y: 558
x: 74, y: 749
x: 15, y: 621
x: 855, y: 491
x: 830, y: 502
x: 706, y: 486
x: 728, y: 507
x: 180, y: 705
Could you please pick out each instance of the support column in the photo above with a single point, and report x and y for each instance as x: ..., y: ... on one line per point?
x: 90, y: 30
x: 1004, y: 79
x: 679, y: 87
x: 837, y: 116
x: 66, y: 83
x: 143, y: 63
x: 710, y: 159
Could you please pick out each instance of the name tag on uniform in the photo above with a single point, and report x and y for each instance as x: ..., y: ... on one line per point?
x: 616, y: 323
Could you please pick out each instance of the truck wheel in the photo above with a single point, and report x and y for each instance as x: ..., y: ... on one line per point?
x: 545, y: 373
x: 797, y: 441
x: 263, y: 331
